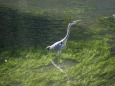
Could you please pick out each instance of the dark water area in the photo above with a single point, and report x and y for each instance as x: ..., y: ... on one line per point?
x: 26, y: 30
x: 23, y: 25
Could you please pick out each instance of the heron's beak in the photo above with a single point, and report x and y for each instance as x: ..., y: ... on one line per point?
x: 78, y: 20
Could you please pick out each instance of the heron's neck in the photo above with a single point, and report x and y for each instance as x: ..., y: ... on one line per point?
x: 68, y: 31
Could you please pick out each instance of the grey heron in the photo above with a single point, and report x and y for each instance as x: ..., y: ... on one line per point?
x: 60, y: 44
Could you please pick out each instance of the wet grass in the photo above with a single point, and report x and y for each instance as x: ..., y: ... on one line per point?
x: 87, y: 58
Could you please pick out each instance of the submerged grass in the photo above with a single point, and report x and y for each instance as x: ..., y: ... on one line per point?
x: 91, y: 66
x: 87, y: 61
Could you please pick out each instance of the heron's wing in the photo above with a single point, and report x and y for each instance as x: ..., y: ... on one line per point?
x: 57, y: 45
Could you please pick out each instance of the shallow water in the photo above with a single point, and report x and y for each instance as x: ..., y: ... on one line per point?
x: 23, y: 25
x: 97, y: 6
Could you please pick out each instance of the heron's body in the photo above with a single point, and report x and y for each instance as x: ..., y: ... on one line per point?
x: 56, y: 46
x: 60, y: 44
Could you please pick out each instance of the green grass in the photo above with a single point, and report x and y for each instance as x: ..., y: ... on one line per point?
x: 87, y: 60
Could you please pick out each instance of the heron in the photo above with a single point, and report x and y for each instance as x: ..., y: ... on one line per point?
x: 57, y: 46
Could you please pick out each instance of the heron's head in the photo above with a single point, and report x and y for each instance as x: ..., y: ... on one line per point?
x: 48, y: 48
x: 74, y: 22
x: 113, y: 15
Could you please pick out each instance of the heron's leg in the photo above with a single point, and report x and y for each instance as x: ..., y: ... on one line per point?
x: 58, y: 54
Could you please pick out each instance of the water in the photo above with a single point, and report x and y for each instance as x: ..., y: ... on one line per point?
x: 26, y: 23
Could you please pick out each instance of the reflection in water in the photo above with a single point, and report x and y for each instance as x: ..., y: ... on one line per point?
x: 62, y: 70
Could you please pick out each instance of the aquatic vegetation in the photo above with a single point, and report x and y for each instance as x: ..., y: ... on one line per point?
x: 88, y: 58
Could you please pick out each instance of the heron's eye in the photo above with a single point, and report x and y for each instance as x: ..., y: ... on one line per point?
x: 71, y: 21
